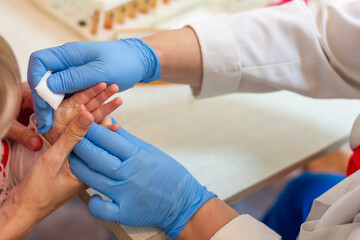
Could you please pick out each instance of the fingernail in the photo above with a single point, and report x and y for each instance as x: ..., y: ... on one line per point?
x: 33, y: 142
x: 85, y: 121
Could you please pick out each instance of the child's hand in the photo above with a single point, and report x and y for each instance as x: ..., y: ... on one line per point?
x: 93, y: 99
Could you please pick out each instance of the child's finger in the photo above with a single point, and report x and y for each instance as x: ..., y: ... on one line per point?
x: 113, y: 127
x: 101, y: 112
x: 106, y: 121
x: 83, y: 97
x: 101, y: 97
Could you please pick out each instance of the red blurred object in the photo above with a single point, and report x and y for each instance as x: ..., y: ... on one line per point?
x: 6, y: 153
x: 354, y: 163
x: 284, y: 1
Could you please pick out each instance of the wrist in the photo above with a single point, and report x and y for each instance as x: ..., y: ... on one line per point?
x: 191, y: 205
x: 179, y: 55
x: 208, y: 220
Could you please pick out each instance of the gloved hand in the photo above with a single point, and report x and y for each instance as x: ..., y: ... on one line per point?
x: 80, y: 65
x: 148, y: 187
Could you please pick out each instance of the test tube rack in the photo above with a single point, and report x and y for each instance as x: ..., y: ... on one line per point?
x: 105, y: 19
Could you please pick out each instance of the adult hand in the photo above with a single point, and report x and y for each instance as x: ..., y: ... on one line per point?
x: 80, y: 65
x: 18, y: 130
x: 48, y: 184
x: 147, y: 187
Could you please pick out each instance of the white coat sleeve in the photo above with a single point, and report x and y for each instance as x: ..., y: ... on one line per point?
x: 245, y: 227
x: 308, y: 50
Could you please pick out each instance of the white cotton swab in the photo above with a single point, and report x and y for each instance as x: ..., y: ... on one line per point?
x: 45, y: 93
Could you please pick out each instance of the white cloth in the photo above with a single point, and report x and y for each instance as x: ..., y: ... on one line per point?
x: 45, y: 93
x: 245, y: 226
x: 308, y: 50
x: 314, y: 52
x: 355, y: 234
x: 333, y: 216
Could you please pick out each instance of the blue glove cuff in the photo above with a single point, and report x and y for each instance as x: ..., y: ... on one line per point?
x: 175, y: 229
x: 147, y: 57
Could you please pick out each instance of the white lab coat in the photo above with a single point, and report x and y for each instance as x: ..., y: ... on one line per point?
x: 308, y: 50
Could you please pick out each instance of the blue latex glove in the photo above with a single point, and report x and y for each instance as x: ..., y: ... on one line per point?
x: 80, y: 65
x: 148, y: 187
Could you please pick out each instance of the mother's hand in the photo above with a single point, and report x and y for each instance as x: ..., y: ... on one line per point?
x: 48, y: 184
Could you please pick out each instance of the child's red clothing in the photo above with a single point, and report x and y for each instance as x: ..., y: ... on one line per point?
x: 4, y: 170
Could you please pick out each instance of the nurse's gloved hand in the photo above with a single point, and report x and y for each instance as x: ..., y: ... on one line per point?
x: 147, y: 187
x: 80, y: 65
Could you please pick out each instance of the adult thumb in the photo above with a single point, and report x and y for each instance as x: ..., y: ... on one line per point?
x: 73, y: 134
x: 24, y: 135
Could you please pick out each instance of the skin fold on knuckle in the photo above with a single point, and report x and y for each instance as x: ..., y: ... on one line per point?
x: 74, y: 134
x: 65, y: 114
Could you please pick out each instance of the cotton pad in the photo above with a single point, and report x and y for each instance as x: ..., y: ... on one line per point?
x: 45, y: 93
